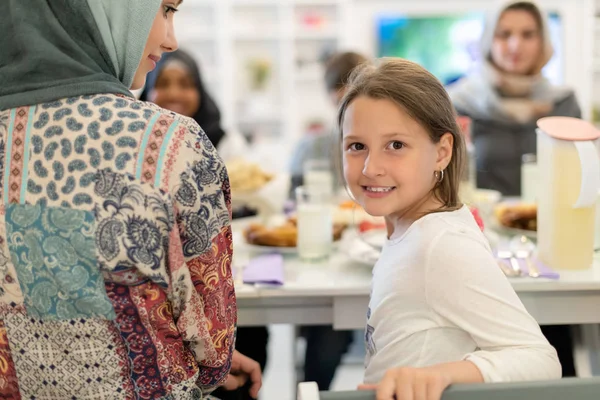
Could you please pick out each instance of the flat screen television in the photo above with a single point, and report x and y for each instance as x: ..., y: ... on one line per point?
x: 448, y: 45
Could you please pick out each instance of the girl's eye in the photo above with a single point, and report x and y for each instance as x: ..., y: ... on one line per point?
x: 396, y: 145
x: 356, y: 147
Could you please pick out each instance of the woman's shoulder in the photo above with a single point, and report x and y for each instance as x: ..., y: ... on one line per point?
x: 167, y: 144
x: 112, y: 107
x: 171, y: 126
x: 567, y: 106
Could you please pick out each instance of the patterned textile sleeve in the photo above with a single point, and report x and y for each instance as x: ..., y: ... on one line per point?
x: 200, y: 253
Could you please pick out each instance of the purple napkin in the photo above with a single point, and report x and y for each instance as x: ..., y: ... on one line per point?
x: 543, y: 269
x: 265, y: 269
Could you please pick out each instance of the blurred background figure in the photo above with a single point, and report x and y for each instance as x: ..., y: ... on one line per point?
x: 176, y: 84
x: 504, y: 98
x: 508, y: 93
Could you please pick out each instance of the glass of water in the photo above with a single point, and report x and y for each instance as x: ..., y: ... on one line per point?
x: 315, y: 223
x: 318, y: 175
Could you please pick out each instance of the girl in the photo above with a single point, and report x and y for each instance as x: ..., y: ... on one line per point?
x: 115, y: 239
x: 441, y: 310
x: 504, y: 99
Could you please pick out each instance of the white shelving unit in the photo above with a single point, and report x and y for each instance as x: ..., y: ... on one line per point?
x: 291, y: 36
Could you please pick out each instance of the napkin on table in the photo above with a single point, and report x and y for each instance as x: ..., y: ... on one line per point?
x: 265, y: 269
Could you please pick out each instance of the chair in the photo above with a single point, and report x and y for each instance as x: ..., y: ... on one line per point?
x: 568, y: 388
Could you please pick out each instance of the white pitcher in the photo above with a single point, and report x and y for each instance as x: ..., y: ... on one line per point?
x: 569, y: 172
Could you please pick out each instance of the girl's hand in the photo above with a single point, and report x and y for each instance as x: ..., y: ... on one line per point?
x: 411, y: 384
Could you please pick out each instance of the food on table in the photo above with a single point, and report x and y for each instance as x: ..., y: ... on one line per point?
x: 517, y: 215
x: 246, y: 177
x: 348, y: 205
x: 285, y: 235
x: 366, y: 226
x: 350, y: 213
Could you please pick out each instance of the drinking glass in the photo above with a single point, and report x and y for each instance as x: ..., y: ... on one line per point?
x: 315, y: 223
x: 318, y: 175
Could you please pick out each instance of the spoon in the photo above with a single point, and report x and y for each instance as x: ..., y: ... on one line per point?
x: 523, y: 248
x: 515, y: 268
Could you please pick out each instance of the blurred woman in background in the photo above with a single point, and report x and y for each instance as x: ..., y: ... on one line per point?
x: 504, y: 99
x: 508, y: 94
x: 176, y: 84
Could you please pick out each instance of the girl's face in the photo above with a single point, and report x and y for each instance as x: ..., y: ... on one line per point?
x: 389, y: 160
x: 161, y: 40
x: 176, y: 90
x: 517, y: 44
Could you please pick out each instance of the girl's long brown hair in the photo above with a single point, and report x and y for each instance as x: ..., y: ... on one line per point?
x: 418, y: 93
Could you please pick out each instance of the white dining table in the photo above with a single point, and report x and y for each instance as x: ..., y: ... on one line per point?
x: 336, y: 291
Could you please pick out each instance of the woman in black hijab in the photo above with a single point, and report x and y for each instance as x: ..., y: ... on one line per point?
x: 176, y: 84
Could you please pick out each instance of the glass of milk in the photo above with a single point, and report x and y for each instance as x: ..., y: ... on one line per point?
x: 315, y: 223
x: 318, y: 175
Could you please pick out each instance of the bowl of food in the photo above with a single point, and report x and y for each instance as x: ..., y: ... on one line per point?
x: 246, y: 177
x: 255, y: 188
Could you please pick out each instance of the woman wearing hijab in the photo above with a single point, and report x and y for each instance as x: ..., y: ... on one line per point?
x: 176, y: 84
x: 115, y: 238
x: 507, y: 95
x: 504, y: 99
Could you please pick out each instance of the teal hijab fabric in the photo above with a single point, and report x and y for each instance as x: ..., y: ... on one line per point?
x: 52, y: 49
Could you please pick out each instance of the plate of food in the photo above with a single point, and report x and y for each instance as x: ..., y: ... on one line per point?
x: 281, y: 238
x: 254, y: 188
x: 516, y: 218
x: 246, y: 177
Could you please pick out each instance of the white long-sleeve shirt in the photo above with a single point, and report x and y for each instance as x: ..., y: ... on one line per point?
x: 438, y: 296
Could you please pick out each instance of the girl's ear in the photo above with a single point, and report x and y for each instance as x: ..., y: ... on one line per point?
x: 444, y: 151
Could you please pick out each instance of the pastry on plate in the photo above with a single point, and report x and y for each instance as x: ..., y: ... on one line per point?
x: 517, y: 215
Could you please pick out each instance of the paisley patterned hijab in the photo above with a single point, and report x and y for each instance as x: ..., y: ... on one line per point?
x: 65, y: 48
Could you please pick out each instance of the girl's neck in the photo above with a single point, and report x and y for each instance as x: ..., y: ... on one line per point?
x: 398, y: 223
